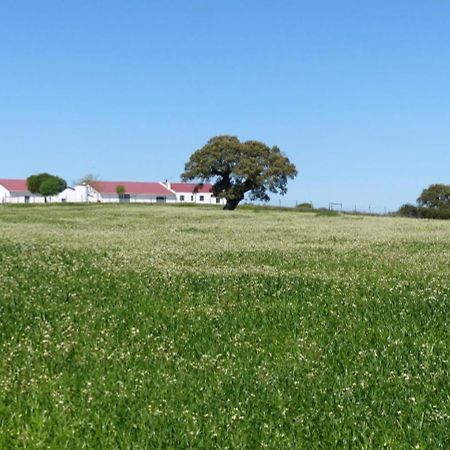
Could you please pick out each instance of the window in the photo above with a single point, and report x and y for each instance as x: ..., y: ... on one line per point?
x: 181, y: 198
x: 217, y: 200
x: 192, y: 198
x: 124, y: 198
x: 202, y: 198
x: 160, y: 199
x: 27, y: 199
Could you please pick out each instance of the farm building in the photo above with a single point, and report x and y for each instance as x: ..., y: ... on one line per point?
x: 133, y: 192
x: 195, y: 193
x: 16, y: 191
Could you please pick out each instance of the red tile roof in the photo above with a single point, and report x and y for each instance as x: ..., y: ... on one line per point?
x: 193, y: 188
x: 132, y: 187
x: 14, y: 185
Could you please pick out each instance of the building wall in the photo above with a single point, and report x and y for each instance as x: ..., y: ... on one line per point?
x: 21, y: 197
x: 114, y: 198
x: 68, y: 195
x: 3, y: 194
x: 78, y: 194
x: 208, y: 199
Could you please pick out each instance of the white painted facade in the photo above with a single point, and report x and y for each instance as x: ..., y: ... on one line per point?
x: 132, y: 198
x: 78, y: 194
x: 4, y: 193
x: 25, y: 198
x: 191, y: 196
x: 20, y: 197
x: 28, y: 198
x: 202, y: 198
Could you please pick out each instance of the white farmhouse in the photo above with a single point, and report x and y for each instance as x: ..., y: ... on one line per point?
x: 16, y: 191
x: 134, y: 192
x: 195, y: 193
x: 77, y: 194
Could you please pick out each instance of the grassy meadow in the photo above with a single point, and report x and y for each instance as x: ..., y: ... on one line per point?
x: 145, y: 327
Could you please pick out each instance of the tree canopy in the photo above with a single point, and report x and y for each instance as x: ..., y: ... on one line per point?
x: 45, y: 184
x: 89, y: 179
x: 236, y: 168
x: 120, y: 190
x: 436, y: 196
x: 433, y: 203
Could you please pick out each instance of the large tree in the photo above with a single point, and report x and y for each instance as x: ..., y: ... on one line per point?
x: 45, y: 184
x: 436, y: 196
x: 236, y: 168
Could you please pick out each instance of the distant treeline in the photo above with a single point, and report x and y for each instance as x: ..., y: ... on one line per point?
x: 433, y: 203
x: 418, y: 212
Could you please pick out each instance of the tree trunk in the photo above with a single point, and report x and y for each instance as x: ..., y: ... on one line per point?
x: 231, y: 204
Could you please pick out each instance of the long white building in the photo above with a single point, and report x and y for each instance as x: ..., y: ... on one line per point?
x: 16, y: 191
x: 133, y: 192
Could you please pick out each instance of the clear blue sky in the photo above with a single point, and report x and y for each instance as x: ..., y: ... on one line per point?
x: 356, y: 93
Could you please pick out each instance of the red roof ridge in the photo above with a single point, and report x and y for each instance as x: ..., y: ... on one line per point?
x: 132, y: 187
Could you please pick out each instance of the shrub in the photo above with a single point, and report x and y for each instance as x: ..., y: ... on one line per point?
x: 305, y: 206
x: 430, y: 213
x: 327, y: 212
x: 408, y: 210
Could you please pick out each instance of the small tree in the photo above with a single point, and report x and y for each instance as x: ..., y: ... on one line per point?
x: 240, y: 167
x: 45, y: 184
x: 120, y: 190
x: 89, y: 179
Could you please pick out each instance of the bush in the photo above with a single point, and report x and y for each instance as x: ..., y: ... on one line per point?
x: 430, y: 213
x: 327, y: 212
x: 305, y: 206
x: 409, y: 210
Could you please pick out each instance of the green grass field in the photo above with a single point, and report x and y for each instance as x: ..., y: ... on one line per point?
x: 167, y: 327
